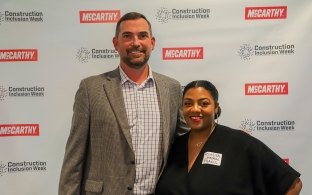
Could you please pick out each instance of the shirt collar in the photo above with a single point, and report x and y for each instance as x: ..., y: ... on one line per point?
x: 125, y: 78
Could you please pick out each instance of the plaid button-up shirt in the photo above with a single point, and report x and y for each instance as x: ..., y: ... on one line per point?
x: 144, y: 118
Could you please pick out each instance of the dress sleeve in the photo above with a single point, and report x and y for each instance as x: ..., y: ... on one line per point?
x: 270, y: 172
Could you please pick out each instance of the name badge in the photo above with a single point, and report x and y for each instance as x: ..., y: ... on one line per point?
x: 212, y: 158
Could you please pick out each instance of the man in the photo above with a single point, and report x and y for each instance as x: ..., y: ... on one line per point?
x: 124, y: 121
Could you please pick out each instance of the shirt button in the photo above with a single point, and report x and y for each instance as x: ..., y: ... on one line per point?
x: 129, y: 188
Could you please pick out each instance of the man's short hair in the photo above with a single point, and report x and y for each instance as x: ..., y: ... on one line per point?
x: 131, y: 16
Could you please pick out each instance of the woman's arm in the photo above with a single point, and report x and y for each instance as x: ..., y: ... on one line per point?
x: 295, y: 188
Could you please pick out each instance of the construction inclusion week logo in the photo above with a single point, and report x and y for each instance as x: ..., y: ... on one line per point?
x: 7, y: 16
x: 164, y: 15
x: 249, y: 125
x: 84, y: 54
x: 247, y: 51
x: 12, y: 167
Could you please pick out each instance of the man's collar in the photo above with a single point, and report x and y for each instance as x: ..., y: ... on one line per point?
x: 125, y: 78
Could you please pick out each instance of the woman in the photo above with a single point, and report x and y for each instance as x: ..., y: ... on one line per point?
x: 216, y: 160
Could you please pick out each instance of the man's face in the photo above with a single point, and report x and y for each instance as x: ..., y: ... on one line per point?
x: 134, y: 43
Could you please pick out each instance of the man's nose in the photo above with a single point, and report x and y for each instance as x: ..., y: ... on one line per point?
x: 135, y: 41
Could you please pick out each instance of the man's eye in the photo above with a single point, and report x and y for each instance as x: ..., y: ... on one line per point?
x: 143, y: 36
x: 126, y: 36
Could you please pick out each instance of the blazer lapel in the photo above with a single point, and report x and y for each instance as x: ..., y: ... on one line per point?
x: 163, y: 95
x: 112, y: 87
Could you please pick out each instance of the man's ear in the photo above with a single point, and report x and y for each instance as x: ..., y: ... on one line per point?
x: 115, y: 43
x: 153, y: 42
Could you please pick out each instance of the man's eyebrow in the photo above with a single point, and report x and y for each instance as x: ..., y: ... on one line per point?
x: 126, y: 32
x: 141, y: 32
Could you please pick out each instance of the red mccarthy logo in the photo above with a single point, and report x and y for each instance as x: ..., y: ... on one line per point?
x: 19, y: 130
x: 105, y: 16
x: 7, y: 55
x: 266, y: 88
x: 183, y: 53
x: 272, y: 12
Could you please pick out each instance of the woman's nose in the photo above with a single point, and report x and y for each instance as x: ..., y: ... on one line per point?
x: 196, y: 108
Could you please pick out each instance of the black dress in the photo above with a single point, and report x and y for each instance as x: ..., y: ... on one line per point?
x: 230, y: 163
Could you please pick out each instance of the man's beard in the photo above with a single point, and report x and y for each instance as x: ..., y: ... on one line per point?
x: 133, y: 63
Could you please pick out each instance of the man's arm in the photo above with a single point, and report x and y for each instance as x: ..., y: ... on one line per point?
x: 182, y: 127
x: 76, y: 147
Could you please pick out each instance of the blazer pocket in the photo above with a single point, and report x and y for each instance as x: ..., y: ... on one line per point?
x: 94, y: 186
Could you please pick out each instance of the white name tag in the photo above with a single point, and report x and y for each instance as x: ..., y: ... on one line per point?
x: 212, y: 158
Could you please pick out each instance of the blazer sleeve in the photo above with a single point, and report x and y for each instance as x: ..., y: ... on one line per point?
x: 76, y: 147
x: 182, y: 127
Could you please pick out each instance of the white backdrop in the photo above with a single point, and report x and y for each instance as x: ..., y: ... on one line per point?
x: 46, y: 49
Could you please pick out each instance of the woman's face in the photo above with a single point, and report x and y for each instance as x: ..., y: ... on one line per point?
x: 199, y: 108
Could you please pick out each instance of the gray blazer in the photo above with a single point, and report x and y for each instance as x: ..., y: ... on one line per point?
x: 99, y: 157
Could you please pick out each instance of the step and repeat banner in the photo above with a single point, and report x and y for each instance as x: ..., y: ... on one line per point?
x: 257, y: 53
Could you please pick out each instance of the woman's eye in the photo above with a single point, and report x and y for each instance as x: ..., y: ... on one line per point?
x: 187, y: 103
x: 204, y: 104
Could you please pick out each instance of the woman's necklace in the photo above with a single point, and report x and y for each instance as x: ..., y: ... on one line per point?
x: 201, y: 143
x: 194, y: 148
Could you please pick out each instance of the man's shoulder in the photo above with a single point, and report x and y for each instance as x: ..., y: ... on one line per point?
x: 165, y: 78
x: 101, y: 77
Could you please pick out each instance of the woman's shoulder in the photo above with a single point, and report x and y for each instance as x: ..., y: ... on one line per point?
x: 230, y: 130
x: 182, y: 137
x: 234, y: 134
